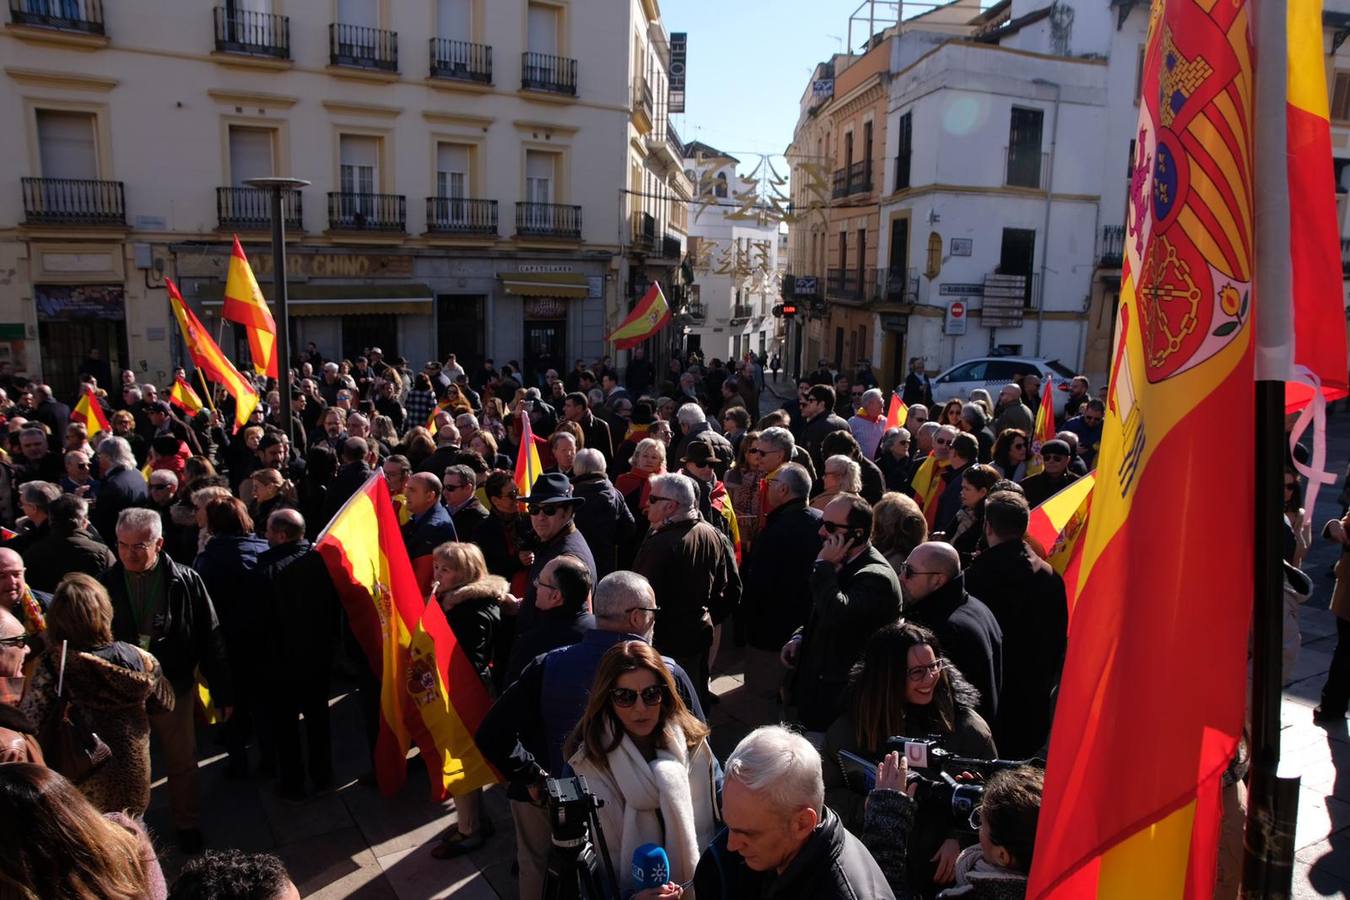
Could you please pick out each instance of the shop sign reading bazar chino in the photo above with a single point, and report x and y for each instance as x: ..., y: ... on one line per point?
x: 301, y: 265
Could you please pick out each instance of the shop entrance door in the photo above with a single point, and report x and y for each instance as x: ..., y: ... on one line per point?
x: 460, y: 329
x: 65, y: 344
x: 360, y: 333
x: 545, y: 343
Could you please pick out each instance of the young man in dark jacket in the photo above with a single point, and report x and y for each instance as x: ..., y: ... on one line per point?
x: 163, y: 607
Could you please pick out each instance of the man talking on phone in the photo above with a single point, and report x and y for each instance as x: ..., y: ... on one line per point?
x: 854, y: 592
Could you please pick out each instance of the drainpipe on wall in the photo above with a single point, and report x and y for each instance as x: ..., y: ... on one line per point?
x: 1085, y: 322
x: 1045, y: 231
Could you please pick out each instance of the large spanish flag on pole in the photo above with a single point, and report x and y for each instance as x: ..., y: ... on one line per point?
x: 1158, y: 644
x: 651, y: 314
x: 244, y: 304
x: 206, y: 355
x: 430, y: 693
x: 89, y: 413
x: 1044, y: 429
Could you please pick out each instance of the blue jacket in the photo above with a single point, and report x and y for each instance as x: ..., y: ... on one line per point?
x: 523, y: 734
x: 226, y: 564
x: 426, y: 532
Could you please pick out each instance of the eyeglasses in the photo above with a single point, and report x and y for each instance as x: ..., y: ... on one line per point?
x: 143, y: 547
x: 651, y: 609
x: 508, y: 496
x: 1093, y: 420
x: 907, y: 570
x: 655, y: 499
x: 539, y: 582
x: 1019, y: 446
x: 165, y: 487
x: 652, y: 695
x: 454, y: 487
x: 549, y: 511
x: 923, y: 673
x: 1045, y: 455
x: 18, y: 640
x: 942, y: 442
x: 832, y: 527
x: 754, y: 451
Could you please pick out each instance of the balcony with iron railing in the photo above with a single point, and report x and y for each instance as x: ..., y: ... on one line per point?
x: 643, y: 104
x: 1026, y: 169
x: 252, y: 33
x: 461, y: 61
x: 82, y: 16
x: 550, y: 74
x: 461, y: 215
x: 853, y: 179
x: 898, y: 285
x: 73, y: 201
x: 548, y: 220
x: 853, y: 285
x: 359, y: 47
x: 250, y: 209
x: 349, y: 211
x: 671, y: 248
x: 644, y: 231
x: 1111, y: 247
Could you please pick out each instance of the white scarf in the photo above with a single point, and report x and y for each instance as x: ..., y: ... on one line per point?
x: 675, y: 790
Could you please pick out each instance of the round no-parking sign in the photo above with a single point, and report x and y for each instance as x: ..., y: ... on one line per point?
x: 956, y: 317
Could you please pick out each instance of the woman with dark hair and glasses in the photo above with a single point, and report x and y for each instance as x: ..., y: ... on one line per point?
x: 1010, y: 453
x: 904, y: 687
x: 646, y: 756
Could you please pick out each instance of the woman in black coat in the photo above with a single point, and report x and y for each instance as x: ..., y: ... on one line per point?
x: 904, y: 688
x: 472, y: 601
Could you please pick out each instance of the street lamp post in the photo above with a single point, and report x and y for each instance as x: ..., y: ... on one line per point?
x: 278, y: 186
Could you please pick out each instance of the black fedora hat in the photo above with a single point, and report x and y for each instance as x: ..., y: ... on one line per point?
x: 552, y: 489
x: 700, y: 452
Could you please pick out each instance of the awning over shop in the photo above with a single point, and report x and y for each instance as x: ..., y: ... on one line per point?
x: 397, y: 299
x: 550, y: 284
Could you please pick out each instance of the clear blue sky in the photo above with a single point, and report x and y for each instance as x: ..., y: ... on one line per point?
x: 749, y: 61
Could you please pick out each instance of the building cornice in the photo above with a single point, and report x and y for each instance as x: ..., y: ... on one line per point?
x: 67, y: 80
x: 361, y: 109
x: 458, y: 119
x: 252, y: 98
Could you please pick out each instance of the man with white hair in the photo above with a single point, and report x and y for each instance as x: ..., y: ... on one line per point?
x: 523, y: 734
x: 781, y: 840
x: 868, y: 425
x: 164, y: 608
x: 123, y: 486
x: 694, y: 426
x: 604, y: 520
x: 693, y: 568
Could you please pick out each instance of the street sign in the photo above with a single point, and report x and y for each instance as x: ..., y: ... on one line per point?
x: 962, y: 246
x: 952, y: 289
x: 956, y: 317
x: 1004, y: 300
x: 679, y: 49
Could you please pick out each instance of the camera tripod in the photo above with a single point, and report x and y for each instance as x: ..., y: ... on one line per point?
x: 576, y: 870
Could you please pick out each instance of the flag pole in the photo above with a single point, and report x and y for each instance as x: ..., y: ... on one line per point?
x: 207, y: 388
x: 1272, y: 803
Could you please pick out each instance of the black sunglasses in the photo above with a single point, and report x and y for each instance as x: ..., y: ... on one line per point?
x: 550, y: 511
x: 1054, y: 455
x: 832, y: 527
x: 652, y: 695
x: 18, y: 640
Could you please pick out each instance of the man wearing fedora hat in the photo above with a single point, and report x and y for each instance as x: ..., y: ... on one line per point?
x: 552, y: 507
x: 714, y: 505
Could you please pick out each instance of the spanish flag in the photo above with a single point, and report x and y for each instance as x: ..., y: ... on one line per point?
x: 647, y: 318
x: 895, y: 415
x: 184, y: 397
x: 206, y: 356
x: 89, y: 413
x: 245, y: 305
x: 1044, y: 429
x: 1158, y: 644
x: 430, y: 694
x: 441, y: 406
x: 1057, y: 527
x: 528, y: 467
x: 927, y: 486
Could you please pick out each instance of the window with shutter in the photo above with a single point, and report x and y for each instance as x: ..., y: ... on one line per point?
x: 250, y: 154
x: 66, y: 144
x: 1340, y: 98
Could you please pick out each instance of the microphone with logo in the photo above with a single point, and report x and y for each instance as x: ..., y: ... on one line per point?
x: 651, y: 867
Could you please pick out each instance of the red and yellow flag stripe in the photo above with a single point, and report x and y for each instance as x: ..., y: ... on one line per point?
x: 430, y: 693
x: 89, y: 413
x: 206, y: 355
x: 651, y: 314
x: 528, y: 467
x: 244, y: 304
x: 1159, y: 633
x: 184, y: 397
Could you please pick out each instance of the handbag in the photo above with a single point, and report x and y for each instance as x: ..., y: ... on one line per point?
x: 68, y: 743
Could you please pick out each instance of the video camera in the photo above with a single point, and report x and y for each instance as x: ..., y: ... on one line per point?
x: 932, y: 771
x: 578, y: 865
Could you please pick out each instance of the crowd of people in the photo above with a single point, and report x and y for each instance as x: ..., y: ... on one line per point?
x: 672, y: 521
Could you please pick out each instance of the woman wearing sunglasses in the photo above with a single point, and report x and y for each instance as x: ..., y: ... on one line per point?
x: 1010, y: 454
x: 647, y: 757
x: 904, y: 687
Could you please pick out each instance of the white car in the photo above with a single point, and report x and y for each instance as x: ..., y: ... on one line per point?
x: 993, y: 372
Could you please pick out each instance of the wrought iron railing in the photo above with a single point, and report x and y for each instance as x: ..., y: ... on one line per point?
x: 253, y: 33
x: 644, y: 231
x: 554, y: 220
x: 542, y: 72
x: 64, y: 15
x: 362, y: 47
x: 73, y: 201
x: 461, y: 215
x: 367, y: 212
x: 250, y: 209
x: 461, y: 60
x: 1111, y: 246
x: 853, y: 179
x: 670, y: 246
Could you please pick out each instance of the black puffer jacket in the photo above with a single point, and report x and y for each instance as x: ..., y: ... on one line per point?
x: 777, y: 577
x: 832, y: 865
x: 604, y: 520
